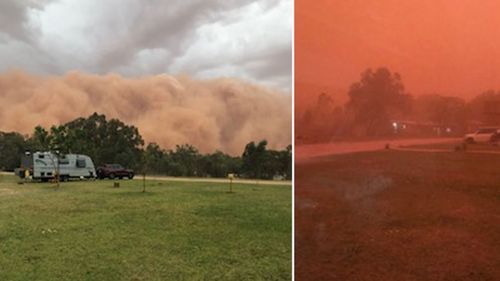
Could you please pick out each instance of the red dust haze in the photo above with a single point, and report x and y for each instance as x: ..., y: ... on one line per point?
x: 222, y: 114
x: 438, y: 46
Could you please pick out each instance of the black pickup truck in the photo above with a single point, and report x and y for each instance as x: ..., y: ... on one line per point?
x: 113, y: 171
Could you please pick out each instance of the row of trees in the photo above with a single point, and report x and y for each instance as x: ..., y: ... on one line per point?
x: 112, y: 141
x: 256, y: 162
x: 380, y: 97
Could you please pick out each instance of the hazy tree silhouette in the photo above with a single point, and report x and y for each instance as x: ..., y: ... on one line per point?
x: 321, y: 121
x: 378, y: 97
x: 441, y: 110
x: 485, y: 108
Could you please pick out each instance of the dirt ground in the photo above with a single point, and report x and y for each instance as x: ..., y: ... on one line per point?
x: 398, y: 215
x: 215, y: 180
x: 305, y: 151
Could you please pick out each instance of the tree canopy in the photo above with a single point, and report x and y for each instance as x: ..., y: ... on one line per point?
x: 378, y: 101
x: 12, y: 145
x: 378, y: 97
x: 112, y: 141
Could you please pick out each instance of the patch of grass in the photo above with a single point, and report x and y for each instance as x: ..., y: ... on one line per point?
x: 174, y: 231
x: 398, y: 215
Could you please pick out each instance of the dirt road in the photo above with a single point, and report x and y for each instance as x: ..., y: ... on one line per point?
x: 242, y: 181
x: 308, y: 151
x: 444, y: 150
x: 218, y: 180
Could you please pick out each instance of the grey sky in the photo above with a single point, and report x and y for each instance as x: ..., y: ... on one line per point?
x: 203, y: 38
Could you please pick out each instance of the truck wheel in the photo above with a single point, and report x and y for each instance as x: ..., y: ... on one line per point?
x: 469, y: 140
x: 111, y: 176
x: 130, y: 176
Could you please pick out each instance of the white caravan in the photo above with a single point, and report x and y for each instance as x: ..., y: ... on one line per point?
x: 44, y: 166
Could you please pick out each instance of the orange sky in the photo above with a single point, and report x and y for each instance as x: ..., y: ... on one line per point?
x: 438, y: 46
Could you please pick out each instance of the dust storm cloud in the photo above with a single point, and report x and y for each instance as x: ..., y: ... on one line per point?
x: 222, y: 114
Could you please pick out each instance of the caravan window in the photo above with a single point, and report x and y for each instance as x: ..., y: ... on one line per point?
x: 41, y: 156
x: 80, y: 163
x: 63, y: 160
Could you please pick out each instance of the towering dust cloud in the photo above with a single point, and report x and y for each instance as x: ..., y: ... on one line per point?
x: 222, y: 114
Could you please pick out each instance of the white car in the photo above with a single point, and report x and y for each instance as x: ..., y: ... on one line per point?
x: 491, y: 134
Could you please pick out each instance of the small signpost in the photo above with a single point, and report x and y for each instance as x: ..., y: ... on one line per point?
x: 230, y: 177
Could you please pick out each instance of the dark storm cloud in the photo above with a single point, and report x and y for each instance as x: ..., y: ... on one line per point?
x: 232, y: 38
x: 13, y: 19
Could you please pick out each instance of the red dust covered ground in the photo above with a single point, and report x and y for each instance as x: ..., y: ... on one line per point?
x: 398, y: 215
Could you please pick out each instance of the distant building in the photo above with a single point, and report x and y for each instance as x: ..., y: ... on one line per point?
x: 416, y: 128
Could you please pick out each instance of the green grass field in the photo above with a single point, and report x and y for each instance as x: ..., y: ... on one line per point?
x: 174, y: 231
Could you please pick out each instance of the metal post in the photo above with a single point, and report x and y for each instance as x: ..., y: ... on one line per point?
x: 144, y: 182
x: 57, y: 169
x: 231, y: 177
